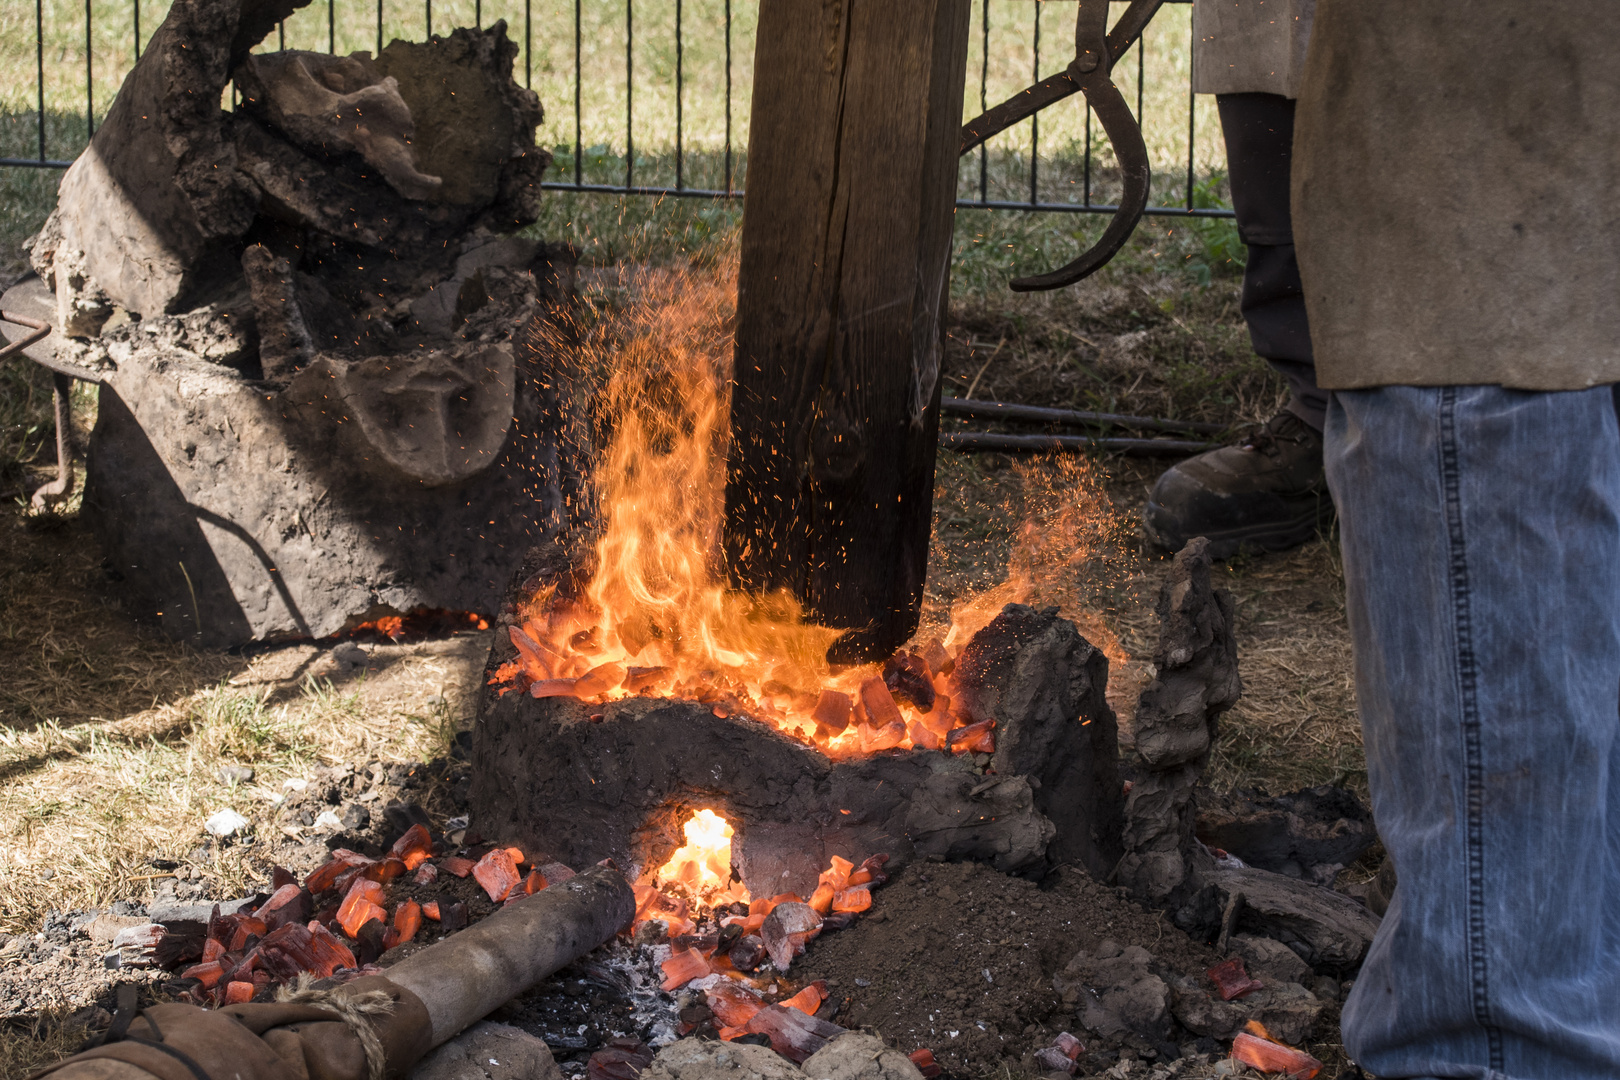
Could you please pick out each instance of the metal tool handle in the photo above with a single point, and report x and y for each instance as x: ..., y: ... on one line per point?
x: 1095, y: 56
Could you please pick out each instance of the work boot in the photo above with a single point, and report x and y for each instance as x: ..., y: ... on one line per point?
x: 1268, y: 491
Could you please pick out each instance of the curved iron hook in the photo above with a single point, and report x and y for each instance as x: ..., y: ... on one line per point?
x: 1095, y: 56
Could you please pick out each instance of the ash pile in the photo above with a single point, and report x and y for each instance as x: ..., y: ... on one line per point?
x: 330, y: 370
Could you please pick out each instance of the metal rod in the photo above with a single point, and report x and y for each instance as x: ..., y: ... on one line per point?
x: 379, y: 26
x: 478, y: 14
x: 728, y: 94
x: 39, y: 61
x: 281, y: 36
x: 89, y: 83
x: 41, y: 329
x: 137, y: 7
x: 738, y: 193
x: 428, y: 7
x: 1192, y: 102
x: 1035, y: 120
x: 629, y: 93
x: 969, y: 442
x: 685, y: 193
x: 1002, y: 410
x: 331, y: 29
x: 1141, y: 69
x: 679, y: 86
x: 1088, y: 154
x: 1099, y: 208
x: 528, y: 45
x: 579, y: 145
x: 984, y: 99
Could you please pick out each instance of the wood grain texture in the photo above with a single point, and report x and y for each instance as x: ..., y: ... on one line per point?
x: 845, y: 263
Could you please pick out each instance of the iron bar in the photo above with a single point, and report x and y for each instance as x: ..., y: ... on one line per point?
x: 331, y: 29
x: 1192, y: 112
x: 1040, y: 414
x: 379, y: 26
x: 984, y: 99
x: 137, y: 5
x: 616, y: 189
x: 1141, y: 73
x: 478, y: 14
x: 728, y: 95
x: 679, y: 86
x: 1035, y: 120
x: 89, y: 84
x: 629, y: 93
x: 972, y: 441
x: 528, y: 46
x: 39, y: 60
x: 428, y: 7
x: 1079, y: 208
x: 1088, y: 154
x: 579, y: 145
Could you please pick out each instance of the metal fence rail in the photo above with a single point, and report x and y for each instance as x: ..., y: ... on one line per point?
x: 680, y: 189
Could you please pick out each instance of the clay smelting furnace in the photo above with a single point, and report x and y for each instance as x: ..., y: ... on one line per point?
x: 327, y: 366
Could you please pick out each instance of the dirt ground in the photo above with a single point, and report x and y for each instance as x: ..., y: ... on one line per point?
x: 112, y: 738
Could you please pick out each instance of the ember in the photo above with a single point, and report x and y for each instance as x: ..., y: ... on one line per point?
x: 1272, y: 1057
x: 703, y: 865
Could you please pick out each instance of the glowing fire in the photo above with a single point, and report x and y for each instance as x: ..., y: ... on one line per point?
x: 703, y: 865
x: 655, y: 616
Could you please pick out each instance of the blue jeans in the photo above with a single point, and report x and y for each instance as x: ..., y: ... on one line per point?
x: 1481, y: 540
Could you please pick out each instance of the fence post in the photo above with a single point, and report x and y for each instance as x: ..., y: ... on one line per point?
x: 852, y: 161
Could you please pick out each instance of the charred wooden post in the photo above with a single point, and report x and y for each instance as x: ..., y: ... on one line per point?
x: 845, y: 251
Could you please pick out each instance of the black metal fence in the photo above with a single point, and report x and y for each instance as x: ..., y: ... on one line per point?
x: 972, y: 199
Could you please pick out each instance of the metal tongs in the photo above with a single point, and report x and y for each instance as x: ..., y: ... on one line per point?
x: 1096, y: 51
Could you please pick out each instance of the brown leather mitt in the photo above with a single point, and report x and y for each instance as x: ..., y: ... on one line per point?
x: 314, y: 1035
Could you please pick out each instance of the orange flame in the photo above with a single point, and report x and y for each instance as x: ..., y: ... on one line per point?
x: 703, y: 864
x: 656, y: 617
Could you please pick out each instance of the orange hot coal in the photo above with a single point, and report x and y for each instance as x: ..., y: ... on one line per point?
x: 655, y: 615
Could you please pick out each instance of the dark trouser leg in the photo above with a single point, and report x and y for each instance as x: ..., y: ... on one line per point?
x: 1259, y: 130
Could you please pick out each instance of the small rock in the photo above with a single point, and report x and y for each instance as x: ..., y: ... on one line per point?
x: 348, y: 656
x: 226, y: 823
x: 1265, y: 957
x: 1121, y: 995
x: 490, y: 1051
x: 858, y: 1056
x: 104, y: 928
x: 355, y: 817
x: 402, y: 815
x: 697, y: 1059
x: 328, y: 820
x: 231, y: 775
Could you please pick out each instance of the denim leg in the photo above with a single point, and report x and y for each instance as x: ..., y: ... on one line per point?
x: 1481, y: 541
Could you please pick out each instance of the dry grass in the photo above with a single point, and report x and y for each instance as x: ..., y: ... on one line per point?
x: 49, y: 1038
x: 111, y: 737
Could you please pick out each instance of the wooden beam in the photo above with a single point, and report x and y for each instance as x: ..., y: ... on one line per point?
x: 852, y: 161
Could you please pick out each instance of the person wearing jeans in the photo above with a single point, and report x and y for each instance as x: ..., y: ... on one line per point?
x: 1455, y: 175
x: 1268, y: 490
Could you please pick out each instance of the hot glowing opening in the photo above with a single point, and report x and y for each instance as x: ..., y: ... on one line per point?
x: 703, y: 864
